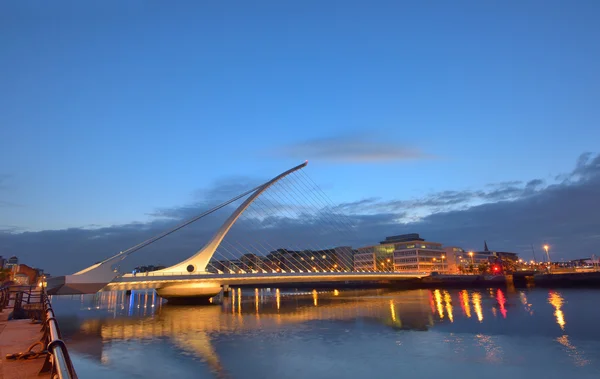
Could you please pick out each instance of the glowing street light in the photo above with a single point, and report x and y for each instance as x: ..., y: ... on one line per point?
x: 443, y: 257
x: 546, y: 247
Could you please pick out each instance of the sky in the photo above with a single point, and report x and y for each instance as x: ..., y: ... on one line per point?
x: 452, y: 119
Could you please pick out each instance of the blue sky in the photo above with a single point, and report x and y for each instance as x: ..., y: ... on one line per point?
x: 112, y: 110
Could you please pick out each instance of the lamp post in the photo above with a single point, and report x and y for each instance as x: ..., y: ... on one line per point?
x: 546, y: 248
x: 443, y: 257
x: 472, y: 261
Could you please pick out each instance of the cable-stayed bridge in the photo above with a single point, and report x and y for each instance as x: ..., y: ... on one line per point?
x: 290, y: 209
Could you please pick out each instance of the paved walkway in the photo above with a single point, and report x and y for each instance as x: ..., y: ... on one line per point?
x: 16, y: 336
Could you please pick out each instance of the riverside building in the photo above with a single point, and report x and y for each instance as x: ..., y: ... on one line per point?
x: 402, y: 253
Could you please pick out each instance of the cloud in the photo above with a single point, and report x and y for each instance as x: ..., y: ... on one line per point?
x: 350, y: 149
x: 510, y: 216
x: 446, y: 200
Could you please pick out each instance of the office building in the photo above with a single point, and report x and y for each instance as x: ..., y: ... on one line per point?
x: 406, y: 252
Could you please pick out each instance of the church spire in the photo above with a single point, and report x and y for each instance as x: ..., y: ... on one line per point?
x: 485, y: 248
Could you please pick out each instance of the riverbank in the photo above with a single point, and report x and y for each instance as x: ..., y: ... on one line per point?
x: 518, y: 279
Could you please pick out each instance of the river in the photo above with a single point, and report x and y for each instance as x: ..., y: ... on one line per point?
x: 268, y: 333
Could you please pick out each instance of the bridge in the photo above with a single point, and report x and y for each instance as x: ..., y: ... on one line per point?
x: 201, y: 276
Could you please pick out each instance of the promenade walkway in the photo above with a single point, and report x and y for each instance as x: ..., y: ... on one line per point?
x: 16, y: 336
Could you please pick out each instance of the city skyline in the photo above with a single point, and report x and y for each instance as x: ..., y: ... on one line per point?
x: 463, y: 122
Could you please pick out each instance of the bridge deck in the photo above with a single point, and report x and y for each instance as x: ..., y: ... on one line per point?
x: 143, y: 281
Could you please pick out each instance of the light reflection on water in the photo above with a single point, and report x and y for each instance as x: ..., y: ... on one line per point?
x: 263, y: 333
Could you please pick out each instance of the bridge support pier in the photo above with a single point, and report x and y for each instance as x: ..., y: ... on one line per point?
x: 189, y: 293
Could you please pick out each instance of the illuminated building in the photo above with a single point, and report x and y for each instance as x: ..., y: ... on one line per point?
x: 12, y: 262
x: 455, y: 257
x: 405, y: 252
x: 374, y: 258
x: 416, y: 254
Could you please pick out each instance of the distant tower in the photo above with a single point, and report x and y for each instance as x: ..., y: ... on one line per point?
x: 485, y: 248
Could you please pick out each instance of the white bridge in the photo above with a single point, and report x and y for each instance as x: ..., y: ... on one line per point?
x: 190, y: 278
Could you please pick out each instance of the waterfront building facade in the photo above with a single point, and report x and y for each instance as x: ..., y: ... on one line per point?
x: 336, y: 259
x: 406, y: 252
x: 12, y: 262
x: 455, y: 256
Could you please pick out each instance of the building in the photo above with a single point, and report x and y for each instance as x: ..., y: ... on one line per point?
x: 25, y: 275
x: 327, y: 260
x: 455, y: 256
x: 475, y: 260
x: 2, y: 262
x: 416, y: 254
x: 12, y: 262
x: 284, y: 260
x: 405, y: 252
x: 374, y: 258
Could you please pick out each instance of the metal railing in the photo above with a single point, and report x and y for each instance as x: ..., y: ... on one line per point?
x: 33, y: 302
x: 58, y: 362
x: 271, y: 273
x: 4, y: 297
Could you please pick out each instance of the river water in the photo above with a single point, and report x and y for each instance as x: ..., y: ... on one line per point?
x: 268, y: 333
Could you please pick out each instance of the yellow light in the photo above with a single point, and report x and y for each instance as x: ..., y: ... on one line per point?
x: 557, y: 301
x: 392, y: 310
x: 256, y: 299
x: 443, y: 256
x: 448, y: 301
x: 336, y: 292
x: 470, y: 253
x: 465, y: 300
x: 477, y: 306
x: 388, y: 260
x: 438, y: 302
x: 278, y: 298
x: 315, y: 297
x: 546, y: 247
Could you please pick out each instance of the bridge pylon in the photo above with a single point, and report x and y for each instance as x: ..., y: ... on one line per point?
x: 97, y: 276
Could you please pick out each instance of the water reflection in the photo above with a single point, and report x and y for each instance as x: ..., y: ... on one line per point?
x: 501, y: 301
x: 438, y: 303
x: 448, y: 301
x: 464, y: 295
x: 142, y: 317
x: 476, y: 296
x: 557, y: 301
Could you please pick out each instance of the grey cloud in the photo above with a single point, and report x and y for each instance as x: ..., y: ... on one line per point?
x: 508, y: 183
x: 532, y: 184
x: 445, y: 200
x: 351, y: 149
x: 566, y: 215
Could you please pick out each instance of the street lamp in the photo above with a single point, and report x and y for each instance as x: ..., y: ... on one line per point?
x: 546, y: 247
x: 443, y: 257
